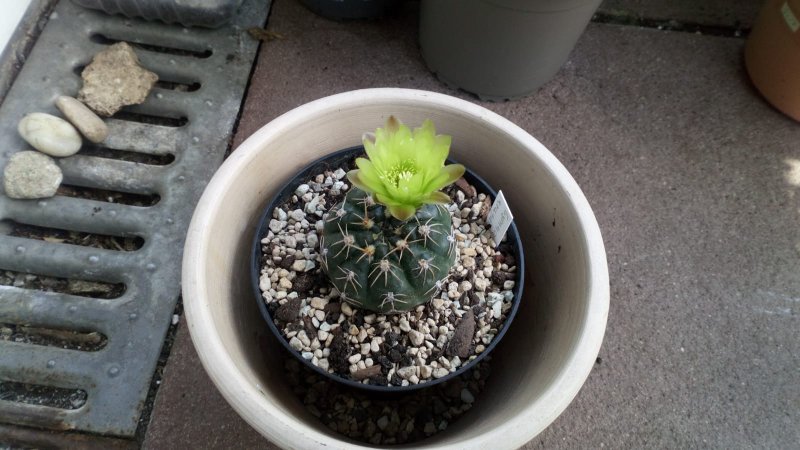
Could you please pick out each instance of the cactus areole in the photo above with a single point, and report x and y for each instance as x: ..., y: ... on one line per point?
x: 389, y: 246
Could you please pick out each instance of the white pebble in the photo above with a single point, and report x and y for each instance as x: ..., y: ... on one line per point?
x: 508, y: 284
x: 299, y: 265
x: 50, y: 134
x: 296, y: 344
x: 347, y: 310
x: 323, y: 335
x: 406, y: 372
x: 276, y: 225
x: 365, y: 349
x: 440, y: 372
x: 425, y: 371
x: 301, y: 190
x: 307, y: 355
x: 264, y: 284
x: 416, y: 337
x: 404, y: 325
x: 297, y: 215
x: 355, y: 358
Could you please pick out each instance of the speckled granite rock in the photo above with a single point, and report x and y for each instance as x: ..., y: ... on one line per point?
x: 31, y: 174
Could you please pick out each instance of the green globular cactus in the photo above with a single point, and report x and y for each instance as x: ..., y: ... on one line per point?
x: 383, y: 264
x: 389, y: 246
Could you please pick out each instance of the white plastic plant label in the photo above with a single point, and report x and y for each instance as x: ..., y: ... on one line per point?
x: 499, y: 218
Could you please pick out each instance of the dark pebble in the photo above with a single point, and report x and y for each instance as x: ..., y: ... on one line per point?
x: 395, y: 356
x: 294, y: 326
x: 406, y: 361
x: 333, y: 308
x: 308, y: 325
x: 340, y: 351
x: 462, y: 337
x: 498, y: 277
x: 289, y: 310
x: 385, y: 363
x: 391, y: 338
x: 473, y: 299
x: 287, y: 262
x: 303, y: 282
x: 379, y: 380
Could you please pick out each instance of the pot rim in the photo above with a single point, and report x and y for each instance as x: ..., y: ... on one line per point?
x: 283, y: 428
x: 512, y: 236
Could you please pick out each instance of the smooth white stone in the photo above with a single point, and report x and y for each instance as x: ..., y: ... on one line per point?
x: 50, y: 134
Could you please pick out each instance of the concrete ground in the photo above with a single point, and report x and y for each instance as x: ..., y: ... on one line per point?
x: 695, y: 182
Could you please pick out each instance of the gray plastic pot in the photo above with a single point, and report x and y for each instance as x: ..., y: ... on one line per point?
x: 500, y: 49
x: 541, y: 362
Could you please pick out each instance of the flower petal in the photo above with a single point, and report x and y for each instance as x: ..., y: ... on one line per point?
x: 438, y: 197
x: 448, y: 175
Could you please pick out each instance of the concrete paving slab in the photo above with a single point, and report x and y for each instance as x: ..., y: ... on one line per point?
x: 725, y: 13
x: 189, y: 412
x: 695, y: 182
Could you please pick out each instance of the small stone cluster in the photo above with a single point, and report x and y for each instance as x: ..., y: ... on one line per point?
x: 386, y: 421
x: 426, y: 343
x: 30, y: 174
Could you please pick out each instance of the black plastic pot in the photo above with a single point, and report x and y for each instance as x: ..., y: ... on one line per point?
x: 344, y: 158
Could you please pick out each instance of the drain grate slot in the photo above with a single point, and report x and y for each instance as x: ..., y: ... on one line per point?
x: 83, y: 239
x: 37, y: 394
x: 127, y: 155
x: 87, y: 341
x: 170, y: 82
x: 124, y: 205
x: 177, y: 86
x: 164, y: 121
x: 100, y: 38
x: 102, y: 195
x: 45, y: 283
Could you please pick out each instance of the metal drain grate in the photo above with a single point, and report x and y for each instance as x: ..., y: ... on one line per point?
x: 123, y: 255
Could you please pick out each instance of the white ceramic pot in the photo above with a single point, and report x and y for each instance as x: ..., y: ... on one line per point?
x: 550, y: 347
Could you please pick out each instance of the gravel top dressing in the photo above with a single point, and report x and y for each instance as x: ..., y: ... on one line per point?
x: 417, y: 346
